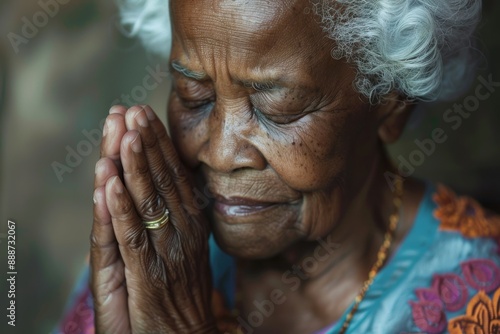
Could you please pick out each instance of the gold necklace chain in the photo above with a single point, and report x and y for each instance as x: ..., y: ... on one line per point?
x: 381, y: 255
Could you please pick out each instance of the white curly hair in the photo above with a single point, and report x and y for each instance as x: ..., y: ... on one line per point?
x: 421, y: 48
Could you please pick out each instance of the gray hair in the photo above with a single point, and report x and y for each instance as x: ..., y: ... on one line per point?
x: 420, y: 48
x: 149, y: 20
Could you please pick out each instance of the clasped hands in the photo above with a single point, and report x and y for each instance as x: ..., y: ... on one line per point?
x: 146, y: 280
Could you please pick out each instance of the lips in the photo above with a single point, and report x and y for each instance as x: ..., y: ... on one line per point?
x: 240, y: 206
x: 248, y: 195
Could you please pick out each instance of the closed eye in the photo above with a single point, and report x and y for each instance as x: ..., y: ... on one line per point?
x: 279, y: 118
x: 197, y: 105
x: 263, y: 87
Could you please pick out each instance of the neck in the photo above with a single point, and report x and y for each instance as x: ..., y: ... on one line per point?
x: 345, y: 255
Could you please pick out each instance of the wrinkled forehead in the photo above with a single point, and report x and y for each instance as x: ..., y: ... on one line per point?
x: 254, y: 26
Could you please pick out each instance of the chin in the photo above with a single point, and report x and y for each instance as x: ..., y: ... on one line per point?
x: 256, y: 240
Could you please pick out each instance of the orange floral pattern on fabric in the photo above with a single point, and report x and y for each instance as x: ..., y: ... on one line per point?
x: 482, y: 316
x: 465, y: 215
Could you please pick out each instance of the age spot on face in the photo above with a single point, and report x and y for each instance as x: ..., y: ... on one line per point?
x: 265, y: 158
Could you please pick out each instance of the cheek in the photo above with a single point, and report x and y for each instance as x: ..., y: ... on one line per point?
x: 305, y: 168
x: 317, y: 159
x: 310, y: 156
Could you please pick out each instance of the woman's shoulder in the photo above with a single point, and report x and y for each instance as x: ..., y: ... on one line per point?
x: 450, y: 264
x: 475, y: 282
x: 445, y: 219
x: 447, y: 264
x: 464, y: 215
x: 457, y: 227
x: 453, y: 233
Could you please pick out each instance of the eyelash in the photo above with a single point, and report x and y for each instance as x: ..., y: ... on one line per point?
x: 198, y: 106
x: 206, y: 105
x: 261, y: 86
x: 273, y: 119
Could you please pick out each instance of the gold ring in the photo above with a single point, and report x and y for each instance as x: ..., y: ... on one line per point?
x: 156, y: 224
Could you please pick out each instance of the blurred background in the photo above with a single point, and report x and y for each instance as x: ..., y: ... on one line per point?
x: 59, y: 74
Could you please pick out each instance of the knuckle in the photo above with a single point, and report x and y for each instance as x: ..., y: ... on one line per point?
x: 157, y: 272
x: 141, y: 171
x: 179, y: 172
x: 149, y: 142
x: 164, y: 184
x: 161, y: 133
x: 158, y: 167
x: 151, y: 208
x: 94, y: 241
x: 168, y: 191
x: 126, y: 209
x: 136, y: 239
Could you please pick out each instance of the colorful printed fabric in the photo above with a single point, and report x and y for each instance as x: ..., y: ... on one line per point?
x: 79, y: 318
x: 444, y: 278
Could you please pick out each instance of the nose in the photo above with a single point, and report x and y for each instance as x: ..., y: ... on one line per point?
x: 229, y: 142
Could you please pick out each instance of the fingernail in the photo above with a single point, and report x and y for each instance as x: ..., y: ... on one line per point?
x: 111, y: 125
x: 105, y: 129
x: 99, y: 166
x: 136, y: 144
x: 151, y: 115
x: 142, y: 119
x: 117, y: 185
x: 115, y: 109
x: 94, y: 198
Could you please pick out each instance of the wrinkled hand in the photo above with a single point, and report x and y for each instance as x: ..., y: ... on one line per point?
x: 146, y: 281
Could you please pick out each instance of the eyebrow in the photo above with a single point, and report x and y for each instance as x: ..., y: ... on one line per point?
x: 260, y: 86
x: 187, y: 72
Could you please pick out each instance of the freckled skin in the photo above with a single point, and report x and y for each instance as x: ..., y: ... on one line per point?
x: 312, y: 144
x: 229, y: 139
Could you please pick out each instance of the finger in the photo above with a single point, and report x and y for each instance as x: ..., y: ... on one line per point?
x: 104, y: 169
x: 103, y: 245
x: 107, y: 268
x: 114, y: 129
x: 146, y: 268
x: 137, y: 177
x: 127, y: 225
x: 138, y: 253
x: 102, y: 235
x: 162, y: 179
x: 172, y: 159
x: 118, y: 109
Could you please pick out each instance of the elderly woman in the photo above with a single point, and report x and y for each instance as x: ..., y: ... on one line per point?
x: 271, y: 206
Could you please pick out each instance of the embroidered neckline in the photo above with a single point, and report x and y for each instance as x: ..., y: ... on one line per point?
x: 464, y: 214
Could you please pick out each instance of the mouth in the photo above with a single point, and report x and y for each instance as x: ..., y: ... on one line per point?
x: 248, y: 196
x: 241, y: 206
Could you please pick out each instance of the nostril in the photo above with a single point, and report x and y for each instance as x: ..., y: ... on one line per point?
x: 239, y: 169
